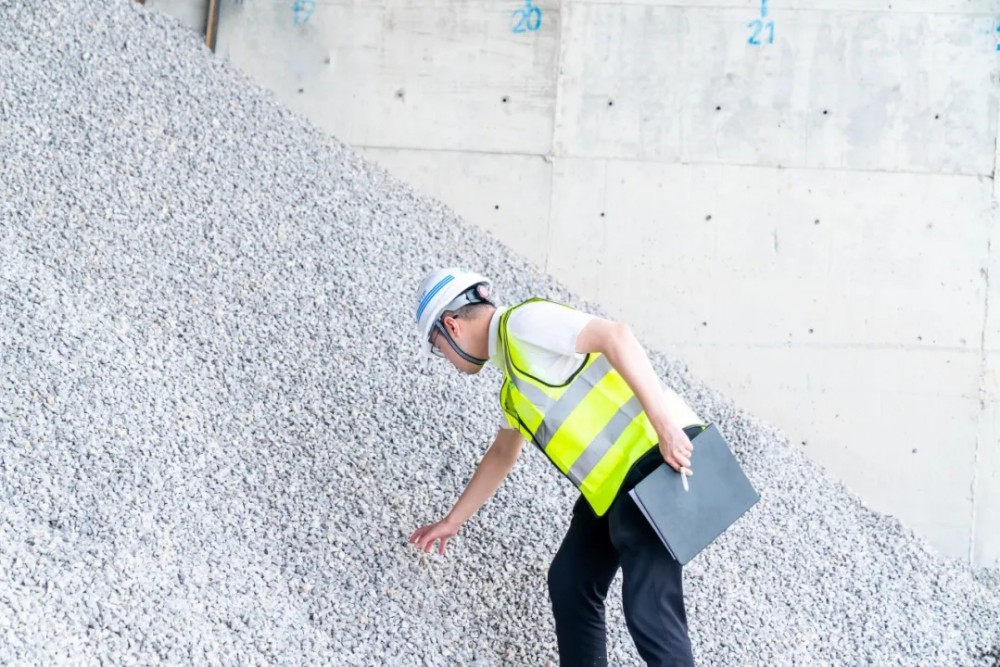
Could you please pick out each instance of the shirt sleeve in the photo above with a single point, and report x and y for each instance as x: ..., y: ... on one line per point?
x: 549, y: 326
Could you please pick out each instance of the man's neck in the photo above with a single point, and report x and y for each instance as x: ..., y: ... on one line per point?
x: 481, y: 334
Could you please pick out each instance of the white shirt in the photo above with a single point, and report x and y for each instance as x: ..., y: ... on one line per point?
x: 548, y: 332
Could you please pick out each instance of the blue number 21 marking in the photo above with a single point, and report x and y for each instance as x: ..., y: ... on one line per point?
x: 528, y: 18
x: 758, y: 26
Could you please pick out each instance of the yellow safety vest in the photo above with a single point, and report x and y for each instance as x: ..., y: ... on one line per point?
x: 592, y: 427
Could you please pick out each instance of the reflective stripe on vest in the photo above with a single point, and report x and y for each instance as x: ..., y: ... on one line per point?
x: 592, y: 427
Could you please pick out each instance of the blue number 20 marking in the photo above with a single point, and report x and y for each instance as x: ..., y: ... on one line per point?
x: 527, y: 19
x: 758, y: 27
x: 303, y: 10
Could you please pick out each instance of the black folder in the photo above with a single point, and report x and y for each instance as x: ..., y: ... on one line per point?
x: 718, y: 494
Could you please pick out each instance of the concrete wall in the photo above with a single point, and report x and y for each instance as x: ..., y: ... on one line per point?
x: 809, y: 220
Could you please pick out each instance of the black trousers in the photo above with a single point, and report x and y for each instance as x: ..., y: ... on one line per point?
x: 652, y: 594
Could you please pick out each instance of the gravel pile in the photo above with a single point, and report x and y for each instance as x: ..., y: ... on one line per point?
x: 214, y: 440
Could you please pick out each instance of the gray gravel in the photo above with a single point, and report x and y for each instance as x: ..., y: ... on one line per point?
x: 215, y: 441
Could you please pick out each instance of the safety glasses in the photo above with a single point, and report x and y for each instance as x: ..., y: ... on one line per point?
x: 437, y: 328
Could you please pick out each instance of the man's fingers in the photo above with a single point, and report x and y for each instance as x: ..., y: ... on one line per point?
x: 421, y: 539
x: 424, y: 538
x: 680, y: 464
x: 418, y: 534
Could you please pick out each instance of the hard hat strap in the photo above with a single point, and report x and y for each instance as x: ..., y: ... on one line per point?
x: 440, y: 328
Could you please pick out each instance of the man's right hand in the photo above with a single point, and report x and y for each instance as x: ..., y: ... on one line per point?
x: 443, y: 530
x: 676, y: 449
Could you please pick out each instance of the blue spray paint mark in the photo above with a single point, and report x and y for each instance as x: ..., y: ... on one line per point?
x: 998, y: 45
x: 528, y: 18
x: 758, y: 26
x: 303, y: 10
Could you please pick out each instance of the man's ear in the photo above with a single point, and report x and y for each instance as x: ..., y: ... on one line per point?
x: 452, y: 325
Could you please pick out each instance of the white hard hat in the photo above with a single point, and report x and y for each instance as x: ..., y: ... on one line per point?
x: 443, y: 290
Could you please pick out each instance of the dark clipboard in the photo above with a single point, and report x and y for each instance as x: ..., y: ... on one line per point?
x: 718, y: 494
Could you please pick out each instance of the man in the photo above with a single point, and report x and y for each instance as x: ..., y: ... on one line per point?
x: 583, y: 390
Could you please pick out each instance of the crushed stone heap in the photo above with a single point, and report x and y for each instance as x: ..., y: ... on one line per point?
x: 214, y: 439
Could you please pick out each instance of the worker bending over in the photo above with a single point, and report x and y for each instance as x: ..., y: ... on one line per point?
x: 583, y: 390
